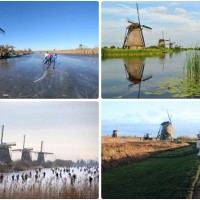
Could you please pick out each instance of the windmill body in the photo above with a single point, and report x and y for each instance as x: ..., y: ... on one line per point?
x: 5, y: 157
x: 115, y: 133
x: 41, y: 155
x: 161, y: 43
x: 166, y: 131
x: 134, y: 38
x: 26, y: 152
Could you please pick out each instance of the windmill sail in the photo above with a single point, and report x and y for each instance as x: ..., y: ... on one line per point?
x: 2, y: 31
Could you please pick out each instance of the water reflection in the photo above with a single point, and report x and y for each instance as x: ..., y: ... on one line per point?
x: 134, y: 69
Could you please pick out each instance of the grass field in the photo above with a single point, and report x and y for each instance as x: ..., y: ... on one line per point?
x: 109, y: 53
x: 125, y: 150
x: 155, y: 178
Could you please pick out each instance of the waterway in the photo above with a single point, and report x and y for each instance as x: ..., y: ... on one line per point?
x: 74, y: 77
x: 145, y: 77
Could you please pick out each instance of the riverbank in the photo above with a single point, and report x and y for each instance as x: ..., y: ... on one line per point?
x: 85, y: 51
x: 109, y: 53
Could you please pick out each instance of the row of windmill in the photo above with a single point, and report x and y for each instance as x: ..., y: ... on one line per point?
x: 134, y: 38
x: 5, y: 152
x: 166, y: 131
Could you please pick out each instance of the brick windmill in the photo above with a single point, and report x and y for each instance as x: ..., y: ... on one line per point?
x: 166, y: 131
x: 5, y: 157
x: 26, y: 152
x: 41, y: 155
x: 134, y: 38
x: 161, y: 42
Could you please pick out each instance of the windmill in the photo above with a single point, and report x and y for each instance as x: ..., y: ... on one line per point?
x: 161, y: 42
x: 166, y: 130
x: 41, y: 154
x: 134, y: 38
x: 171, y: 44
x: 26, y: 157
x: 5, y: 157
x: 115, y: 133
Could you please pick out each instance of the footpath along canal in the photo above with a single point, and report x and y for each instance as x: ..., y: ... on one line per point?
x: 74, y: 76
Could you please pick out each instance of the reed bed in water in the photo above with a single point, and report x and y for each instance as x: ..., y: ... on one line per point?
x: 192, y: 65
x: 49, y: 190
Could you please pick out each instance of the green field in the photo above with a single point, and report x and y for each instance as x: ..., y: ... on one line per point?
x: 109, y: 53
x: 155, y: 178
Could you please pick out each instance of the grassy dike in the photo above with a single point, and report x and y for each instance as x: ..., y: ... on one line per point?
x: 156, y: 178
x: 109, y: 53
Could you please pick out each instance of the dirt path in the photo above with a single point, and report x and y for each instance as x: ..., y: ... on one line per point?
x: 196, y: 194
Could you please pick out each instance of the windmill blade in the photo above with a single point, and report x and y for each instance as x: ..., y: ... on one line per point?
x: 17, y: 150
x: 169, y: 117
x: 146, y: 27
x: 140, y: 25
x: 138, y: 13
x: 47, y: 153
x: 28, y: 148
x: 143, y: 39
x: 130, y: 20
x: 2, y: 31
x: 158, y: 135
x: 125, y: 37
x: 2, y: 128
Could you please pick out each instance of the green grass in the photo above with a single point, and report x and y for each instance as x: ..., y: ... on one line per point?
x: 109, y: 53
x: 155, y: 178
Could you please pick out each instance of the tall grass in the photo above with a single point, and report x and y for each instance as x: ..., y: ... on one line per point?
x: 49, y: 190
x: 121, y: 151
x: 192, y: 65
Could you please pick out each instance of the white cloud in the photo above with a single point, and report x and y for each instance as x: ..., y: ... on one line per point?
x: 178, y: 26
x: 180, y: 11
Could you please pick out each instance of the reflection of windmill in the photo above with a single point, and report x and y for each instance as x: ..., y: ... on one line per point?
x: 5, y: 157
x: 134, y: 69
x: 26, y: 157
x: 134, y: 38
x: 166, y: 130
x: 41, y: 155
x: 161, y: 42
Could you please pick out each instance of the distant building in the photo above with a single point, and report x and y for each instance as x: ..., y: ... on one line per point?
x: 115, y: 133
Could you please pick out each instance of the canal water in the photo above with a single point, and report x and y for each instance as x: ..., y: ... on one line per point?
x: 148, y: 77
x: 74, y: 76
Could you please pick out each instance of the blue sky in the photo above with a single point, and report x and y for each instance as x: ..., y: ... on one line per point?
x: 139, y: 117
x: 69, y: 129
x: 179, y: 20
x: 49, y: 25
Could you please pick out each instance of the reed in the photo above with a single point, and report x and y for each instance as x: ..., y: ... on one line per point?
x: 120, y: 151
x: 49, y: 190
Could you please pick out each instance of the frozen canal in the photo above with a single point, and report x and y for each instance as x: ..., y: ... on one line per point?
x: 47, y: 180
x: 74, y: 76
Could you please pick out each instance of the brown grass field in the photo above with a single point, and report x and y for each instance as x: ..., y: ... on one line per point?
x: 85, y: 51
x: 125, y: 150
